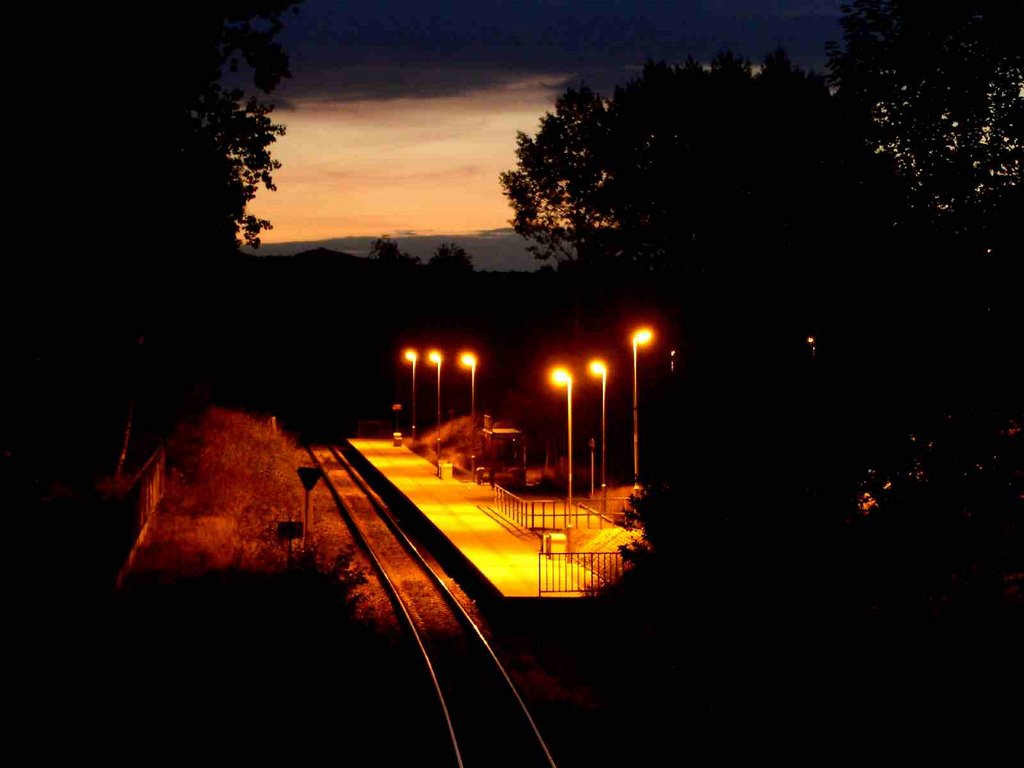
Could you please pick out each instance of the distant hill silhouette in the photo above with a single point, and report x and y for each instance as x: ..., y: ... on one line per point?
x: 495, y: 250
x: 314, y: 255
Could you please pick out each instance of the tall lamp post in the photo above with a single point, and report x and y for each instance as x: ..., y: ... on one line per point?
x: 412, y: 357
x: 469, y: 360
x: 642, y: 336
x: 598, y: 368
x: 435, y: 358
x: 562, y: 377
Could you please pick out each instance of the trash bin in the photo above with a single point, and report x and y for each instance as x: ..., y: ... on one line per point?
x: 444, y: 470
x: 554, y: 543
x: 398, y: 439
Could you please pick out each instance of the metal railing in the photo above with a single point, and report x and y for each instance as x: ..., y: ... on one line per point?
x: 534, y: 514
x: 577, y: 572
x: 143, y: 497
x: 594, y: 509
x: 147, y: 490
x: 550, y: 514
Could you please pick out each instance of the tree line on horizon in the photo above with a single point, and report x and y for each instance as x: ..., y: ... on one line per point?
x: 448, y: 256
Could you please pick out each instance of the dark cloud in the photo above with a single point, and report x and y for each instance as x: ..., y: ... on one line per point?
x: 396, y: 48
x: 393, y: 80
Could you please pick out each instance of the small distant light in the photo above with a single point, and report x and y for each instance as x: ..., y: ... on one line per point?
x: 561, y: 376
x: 598, y: 368
x: 468, y: 359
x: 411, y: 356
x: 866, y: 503
x: 435, y: 357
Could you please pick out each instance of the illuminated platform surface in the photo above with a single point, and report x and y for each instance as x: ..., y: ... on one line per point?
x: 503, y: 553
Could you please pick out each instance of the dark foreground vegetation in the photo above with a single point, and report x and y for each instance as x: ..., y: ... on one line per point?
x: 222, y: 640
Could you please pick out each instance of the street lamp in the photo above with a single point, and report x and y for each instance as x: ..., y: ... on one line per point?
x: 412, y: 357
x: 642, y: 336
x: 598, y: 368
x: 469, y: 360
x: 561, y: 377
x: 435, y: 358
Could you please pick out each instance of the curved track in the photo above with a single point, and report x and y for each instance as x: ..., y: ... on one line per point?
x: 487, y: 720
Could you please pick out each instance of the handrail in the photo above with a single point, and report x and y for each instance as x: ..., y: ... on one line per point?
x: 141, y: 499
x: 577, y: 572
x: 535, y: 514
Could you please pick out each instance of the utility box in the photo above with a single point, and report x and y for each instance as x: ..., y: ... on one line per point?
x: 444, y: 470
x: 398, y: 439
x: 554, y: 543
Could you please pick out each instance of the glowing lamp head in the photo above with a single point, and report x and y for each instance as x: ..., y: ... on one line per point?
x: 598, y: 368
x: 435, y: 357
x: 468, y: 359
x: 810, y: 339
x: 561, y: 377
x: 411, y: 356
x: 643, y: 336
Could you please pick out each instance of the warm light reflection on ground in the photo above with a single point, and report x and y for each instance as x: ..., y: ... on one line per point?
x: 503, y: 554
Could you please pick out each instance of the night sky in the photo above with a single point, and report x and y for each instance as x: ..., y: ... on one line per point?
x: 401, y: 115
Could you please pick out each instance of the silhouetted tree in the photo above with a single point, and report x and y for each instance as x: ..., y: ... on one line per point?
x: 557, y: 188
x: 686, y: 166
x: 936, y: 91
x: 931, y: 98
x: 163, y: 117
x: 716, y: 165
x: 386, y: 251
x: 223, y: 133
x: 450, y: 257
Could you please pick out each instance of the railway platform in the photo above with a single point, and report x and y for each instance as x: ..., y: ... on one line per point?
x: 505, y: 554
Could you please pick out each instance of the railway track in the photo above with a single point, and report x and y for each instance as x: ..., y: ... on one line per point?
x: 486, y: 719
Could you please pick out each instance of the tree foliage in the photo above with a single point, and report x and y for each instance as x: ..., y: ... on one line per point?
x: 450, y: 257
x: 939, y: 92
x: 222, y: 131
x: 956, y: 485
x: 557, y: 190
x: 682, y: 167
x: 386, y: 251
x: 719, y: 164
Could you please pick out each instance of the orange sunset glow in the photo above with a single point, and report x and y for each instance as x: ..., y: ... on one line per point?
x: 373, y: 167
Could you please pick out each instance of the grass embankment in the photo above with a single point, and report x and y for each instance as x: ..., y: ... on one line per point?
x: 231, y: 479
